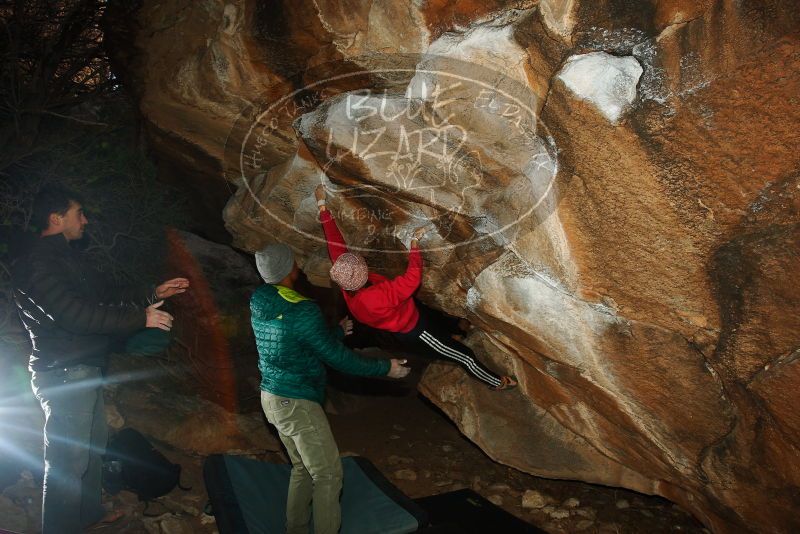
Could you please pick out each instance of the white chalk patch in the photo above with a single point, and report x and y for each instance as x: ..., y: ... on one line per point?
x: 488, y: 47
x: 559, y: 16
x: 473, y: 298
x: 608, y: 82
x: 568, y: 325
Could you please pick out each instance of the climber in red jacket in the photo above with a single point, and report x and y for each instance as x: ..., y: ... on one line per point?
x: 388, y: 304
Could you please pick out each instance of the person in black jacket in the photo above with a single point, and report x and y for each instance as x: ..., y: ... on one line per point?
x: 72, y: 323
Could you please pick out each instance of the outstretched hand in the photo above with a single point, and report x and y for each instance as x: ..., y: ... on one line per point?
x: 347, y: 325
x: 172, y: 287
x: 319, y: 194
x: 398, y: 369
x: 157, y: 318
x: 419, y: 232
x: 416, y: 235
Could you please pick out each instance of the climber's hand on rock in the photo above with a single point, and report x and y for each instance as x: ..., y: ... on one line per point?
x: 398, y: 369
x: 319, y: 192
x: 419, y: 232
x: 416, y: 236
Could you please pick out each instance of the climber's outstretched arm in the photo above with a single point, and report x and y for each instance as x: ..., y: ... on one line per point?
x: 336, y: 243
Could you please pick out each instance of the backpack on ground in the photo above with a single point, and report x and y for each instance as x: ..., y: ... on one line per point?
x: 132, y: 463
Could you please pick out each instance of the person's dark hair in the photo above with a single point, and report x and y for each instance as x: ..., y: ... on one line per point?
x: 52, y: 199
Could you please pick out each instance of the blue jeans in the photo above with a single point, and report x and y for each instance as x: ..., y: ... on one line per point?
x: 75, y: 436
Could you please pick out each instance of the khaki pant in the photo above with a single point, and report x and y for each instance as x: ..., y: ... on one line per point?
x: 316, y: 479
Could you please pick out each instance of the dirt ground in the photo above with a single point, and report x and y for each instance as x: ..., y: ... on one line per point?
x: 423, y: 453
x: 415, y: 446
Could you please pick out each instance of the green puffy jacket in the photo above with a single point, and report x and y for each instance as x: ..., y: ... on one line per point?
x: 293, y: 343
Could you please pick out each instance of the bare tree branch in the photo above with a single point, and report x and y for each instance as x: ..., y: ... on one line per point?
x: 75, y: 119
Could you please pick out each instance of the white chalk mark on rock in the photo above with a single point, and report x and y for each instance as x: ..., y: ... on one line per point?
x: 608, y: 82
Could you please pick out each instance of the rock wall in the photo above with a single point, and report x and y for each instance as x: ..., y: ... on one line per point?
x: 214, y: 338
x: 612, y: 190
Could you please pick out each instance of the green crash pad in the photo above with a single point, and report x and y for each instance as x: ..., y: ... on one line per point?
x: 249, y: 497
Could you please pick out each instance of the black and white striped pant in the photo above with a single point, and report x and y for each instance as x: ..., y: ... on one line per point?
x: 432, y: 336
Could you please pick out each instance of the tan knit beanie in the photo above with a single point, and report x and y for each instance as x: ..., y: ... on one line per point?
x: 350, y: 271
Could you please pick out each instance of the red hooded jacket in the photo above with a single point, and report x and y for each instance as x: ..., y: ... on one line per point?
x: 384, y: 304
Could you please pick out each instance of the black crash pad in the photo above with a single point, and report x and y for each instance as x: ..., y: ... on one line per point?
x: 466, y: 512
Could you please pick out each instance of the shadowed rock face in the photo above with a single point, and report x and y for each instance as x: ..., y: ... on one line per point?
x: 612, y: 191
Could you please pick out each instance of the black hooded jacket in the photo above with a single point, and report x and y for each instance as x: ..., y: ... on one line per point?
x: 70, y: 317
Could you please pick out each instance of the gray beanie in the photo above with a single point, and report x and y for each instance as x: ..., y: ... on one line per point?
x: 274, y: 262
